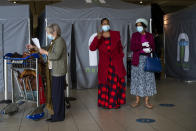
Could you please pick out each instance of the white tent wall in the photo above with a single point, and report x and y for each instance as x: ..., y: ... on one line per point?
x: 180, y: 44
x: 1, y: 54
x: 15, y: 31
x: 16, y: 35
x: 85, y: 21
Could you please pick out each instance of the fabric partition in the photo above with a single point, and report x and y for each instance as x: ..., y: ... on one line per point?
x: 86, y: 74
x: 180, y: 44
x: 180, y: 50
x: 15, y: 33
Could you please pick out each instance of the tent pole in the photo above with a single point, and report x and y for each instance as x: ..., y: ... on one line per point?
x: 150, y: 25
x: 69, y: 98
x: 5, y: 72
x: 67, y: 79
x: 6, y: 79
x: 164, y: 50
x: 46, y: 22
x: 29, y: 30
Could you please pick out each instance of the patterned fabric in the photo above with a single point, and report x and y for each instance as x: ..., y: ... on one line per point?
x: 142, y: 83
x: 112, y: 93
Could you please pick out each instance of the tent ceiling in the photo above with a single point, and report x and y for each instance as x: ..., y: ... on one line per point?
x: 37, y: 6
x: 167, y: 5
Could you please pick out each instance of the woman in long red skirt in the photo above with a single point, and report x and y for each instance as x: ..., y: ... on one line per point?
x: 111, y: 70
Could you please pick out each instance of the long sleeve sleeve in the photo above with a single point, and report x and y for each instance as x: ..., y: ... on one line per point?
x: 57, y: 50
x: 46, y: 47
x: 135, y: 45
x: 136, y: 48
x: 121, y: 49
x: 120, y: 46
x: 95, y: 44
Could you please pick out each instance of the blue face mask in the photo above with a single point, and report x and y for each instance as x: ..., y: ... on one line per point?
x: 50, y: 37
x: 140, y: 29
x: 105, y: 28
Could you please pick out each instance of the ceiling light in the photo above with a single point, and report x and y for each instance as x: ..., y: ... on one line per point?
x: 102, y: 1
x: 88, y: 1
x: 141, y: 2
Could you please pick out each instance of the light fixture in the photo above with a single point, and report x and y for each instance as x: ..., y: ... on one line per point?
x: 88, y: 1
x: 102, y: 1
x: 141, y: 2
x: 165, y: 22
x: 14, y: 2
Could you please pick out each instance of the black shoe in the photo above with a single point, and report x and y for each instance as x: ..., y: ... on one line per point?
x: 49, y: 120
x: 67, y: 103
x: 56, y: 120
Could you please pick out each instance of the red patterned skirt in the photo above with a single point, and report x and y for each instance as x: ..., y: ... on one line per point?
x: 112, y: 94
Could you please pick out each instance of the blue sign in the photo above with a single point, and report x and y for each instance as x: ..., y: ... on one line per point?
x: 145, y: 120
x: 167, y: 105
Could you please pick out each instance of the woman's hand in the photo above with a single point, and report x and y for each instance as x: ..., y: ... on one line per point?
x: 147, y: 50
x: 42, y: 51
x: 146, y: 44
x: 29, y: 46
x: 99, y: 35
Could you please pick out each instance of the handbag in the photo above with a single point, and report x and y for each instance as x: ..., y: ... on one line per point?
x: 153, y: 64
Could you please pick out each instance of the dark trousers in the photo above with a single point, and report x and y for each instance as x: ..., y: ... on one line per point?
x: 58, y: 96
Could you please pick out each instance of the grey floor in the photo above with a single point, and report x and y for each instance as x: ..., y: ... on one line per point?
x: 84, y: 114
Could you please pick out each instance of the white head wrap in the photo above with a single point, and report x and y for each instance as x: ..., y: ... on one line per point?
x: 142, y: 20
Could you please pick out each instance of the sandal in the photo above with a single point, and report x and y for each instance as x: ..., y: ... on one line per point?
x: 149, y: 106
x: 135, y: 104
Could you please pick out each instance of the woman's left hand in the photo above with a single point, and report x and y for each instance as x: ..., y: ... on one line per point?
x: 147, y: 50
x: 146, y: 44
x: 42, y: 51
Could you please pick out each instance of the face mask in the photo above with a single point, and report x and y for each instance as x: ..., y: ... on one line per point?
x: 140, y: 29
x: 105, y: 28
x: 50, y: 37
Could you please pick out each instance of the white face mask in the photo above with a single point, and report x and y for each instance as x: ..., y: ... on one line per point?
x: 50, y: 37
x: 140, y: 29
x: 105, y: 28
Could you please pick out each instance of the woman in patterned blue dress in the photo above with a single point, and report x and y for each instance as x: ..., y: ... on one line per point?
x: 142, y: 83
